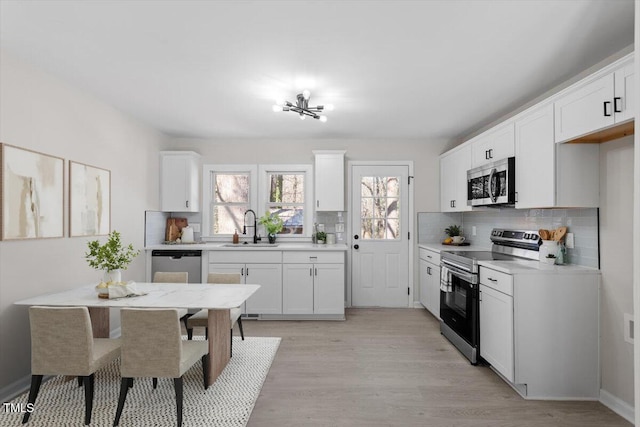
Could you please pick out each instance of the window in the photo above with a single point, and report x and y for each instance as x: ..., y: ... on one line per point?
x: 282, y: 190
x: 379, y: 207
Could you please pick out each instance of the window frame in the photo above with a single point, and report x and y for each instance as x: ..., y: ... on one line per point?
x: 258, y: 194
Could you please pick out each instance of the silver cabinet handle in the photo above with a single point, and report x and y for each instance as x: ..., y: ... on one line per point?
x: 492, y: 279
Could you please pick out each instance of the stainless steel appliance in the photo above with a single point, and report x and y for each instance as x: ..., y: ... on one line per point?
x: 492, y: 184
x: 175, y: 260
x: 459, y: 305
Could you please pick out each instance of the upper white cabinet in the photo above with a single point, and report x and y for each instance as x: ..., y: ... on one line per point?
x: 453, y: 179
x: 179, y: 181
x: 600, y: 101
x: 329, y: 180
x: 495, y: 144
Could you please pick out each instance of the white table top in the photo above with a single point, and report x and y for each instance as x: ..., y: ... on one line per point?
x: 159, y: 295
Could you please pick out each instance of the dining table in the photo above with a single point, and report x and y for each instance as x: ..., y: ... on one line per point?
x: 218, y: 299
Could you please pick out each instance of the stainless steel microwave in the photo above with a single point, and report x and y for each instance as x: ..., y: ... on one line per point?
x: 492, y: 184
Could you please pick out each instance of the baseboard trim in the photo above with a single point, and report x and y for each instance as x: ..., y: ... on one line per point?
x: 617, y: 405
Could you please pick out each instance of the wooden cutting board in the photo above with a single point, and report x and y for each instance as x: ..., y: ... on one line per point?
x: 181, y: 223
x: 174, y: 228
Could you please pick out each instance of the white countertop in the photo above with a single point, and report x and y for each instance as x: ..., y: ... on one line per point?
x: 438, y: 247
x: 226, y: 246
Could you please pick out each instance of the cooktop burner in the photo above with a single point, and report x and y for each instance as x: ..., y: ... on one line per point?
x: 484, y: 255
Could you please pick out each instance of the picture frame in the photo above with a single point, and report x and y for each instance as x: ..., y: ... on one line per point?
x: 31, y: 194
x: 89, y: 200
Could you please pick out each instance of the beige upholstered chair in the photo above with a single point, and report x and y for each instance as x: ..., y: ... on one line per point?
x: 62, y: 343
x: 201, y: 318
x: 174, y: 277
x: 152, y: 346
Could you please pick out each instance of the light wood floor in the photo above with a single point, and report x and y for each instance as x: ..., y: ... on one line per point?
x: 391, y: 367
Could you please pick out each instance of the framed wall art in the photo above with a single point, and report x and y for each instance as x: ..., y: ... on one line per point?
x: 31, y: 194
x: 89, y: 200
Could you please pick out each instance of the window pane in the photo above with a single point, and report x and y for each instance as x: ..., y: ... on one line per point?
x: 367, y: 228
x: 393, y: 186
x: 231, y: 188
x: 366, y: 208
x: 286, y: 188
x: 227, y: 219
x: 379, y: 207
x: 367, y: 186
x: 393, y: 229
x: 292, y: 216
x: 393, y: 206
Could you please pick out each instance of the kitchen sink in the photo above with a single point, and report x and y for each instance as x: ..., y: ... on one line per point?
x: 250, y: 245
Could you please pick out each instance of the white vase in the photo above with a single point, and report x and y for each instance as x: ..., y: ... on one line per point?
x: 114, y: 276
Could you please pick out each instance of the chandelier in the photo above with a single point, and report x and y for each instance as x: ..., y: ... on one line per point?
x: 302, y: 107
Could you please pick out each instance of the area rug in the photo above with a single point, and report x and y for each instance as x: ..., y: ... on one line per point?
x: 226, y: 403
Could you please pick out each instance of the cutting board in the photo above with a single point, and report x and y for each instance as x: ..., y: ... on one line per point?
x: 174, y: 227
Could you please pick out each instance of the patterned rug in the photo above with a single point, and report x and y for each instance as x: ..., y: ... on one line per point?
x: 227, y: 403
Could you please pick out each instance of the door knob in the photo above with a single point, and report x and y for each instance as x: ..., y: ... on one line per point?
x: 356, y: 246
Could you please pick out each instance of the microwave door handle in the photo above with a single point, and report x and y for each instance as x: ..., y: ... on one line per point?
x: 493, y: 189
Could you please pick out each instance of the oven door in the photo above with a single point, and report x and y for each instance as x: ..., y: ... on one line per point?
x: 459, y: 308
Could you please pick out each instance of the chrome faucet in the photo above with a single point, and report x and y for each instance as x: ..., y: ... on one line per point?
x: 255, y: 226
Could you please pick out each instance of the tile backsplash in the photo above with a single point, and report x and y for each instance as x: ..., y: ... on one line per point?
x: 583, y: 223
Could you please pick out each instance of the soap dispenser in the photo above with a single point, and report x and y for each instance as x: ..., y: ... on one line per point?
x: 235, y: 237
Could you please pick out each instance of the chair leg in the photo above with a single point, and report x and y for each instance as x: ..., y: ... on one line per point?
x: 206, y: 333
x: 124, y: 388
x: 231, y: 343
x: 80, y: 381
x: 130, y: 383
x: 205, y: 369
x: 177, y: 383
x: 36, y: 381
x: 240, y: 327
x: 88, y: 397
x: 155, y: 383
x: 189, y: 333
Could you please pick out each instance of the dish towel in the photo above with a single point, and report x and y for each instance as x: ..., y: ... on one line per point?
x: 445, y: 279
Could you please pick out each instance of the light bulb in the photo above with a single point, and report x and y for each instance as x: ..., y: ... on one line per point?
x: 277, y: 108
x: 323, y: 119
x: 302, y: 117
x: 328, y: 107
x: 306, y: 94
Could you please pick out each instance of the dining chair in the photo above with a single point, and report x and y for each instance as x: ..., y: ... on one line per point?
x: 174, y: 277
x: 62, y: 343
x: 201, y: 318
x: 152, y: 346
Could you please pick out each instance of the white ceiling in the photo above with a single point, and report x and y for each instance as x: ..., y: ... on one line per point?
x: 393, y: 69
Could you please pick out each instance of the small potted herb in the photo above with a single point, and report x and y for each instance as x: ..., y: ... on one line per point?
x: 112, y: 257
x: 321, y: 237
x: 273, y: 224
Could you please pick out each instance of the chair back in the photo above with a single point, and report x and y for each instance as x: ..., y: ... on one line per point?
x: 224, y: 278
x: 151, y: 343
x: 61, y: 341
x: 171, y: 277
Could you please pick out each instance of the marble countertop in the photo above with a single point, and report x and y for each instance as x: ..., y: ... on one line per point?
x: 438, y: 247
x: 227, y: 246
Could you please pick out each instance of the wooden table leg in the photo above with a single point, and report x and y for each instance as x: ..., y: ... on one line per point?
x: 219, y: 342
x: 99, y: 321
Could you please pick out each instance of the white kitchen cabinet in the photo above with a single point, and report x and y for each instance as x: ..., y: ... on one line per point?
x: 495, y: 144
x: 313, y: 283
x: 601, y: 100
x: 553, y: 175
x: 263, y: 268
x: 453, y: 179
x: 329, y: 180
x: 496, y: 330
x: 179, y: 181
x: 430, y: 281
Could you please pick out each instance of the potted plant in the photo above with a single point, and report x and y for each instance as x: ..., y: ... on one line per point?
x: 321, y: 237
x: 112, y: 257
x: 272, y: 224
x: 452, y: 231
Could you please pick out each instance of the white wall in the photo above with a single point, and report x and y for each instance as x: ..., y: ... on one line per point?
x: 616, y: 264
x: 41, y: 113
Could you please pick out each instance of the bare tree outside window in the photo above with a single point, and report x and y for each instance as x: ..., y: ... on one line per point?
x: 379, y: 210
x: 229, y: 202
x: 286, y: 200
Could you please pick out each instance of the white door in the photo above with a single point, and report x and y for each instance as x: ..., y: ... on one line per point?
x: 380, y: 229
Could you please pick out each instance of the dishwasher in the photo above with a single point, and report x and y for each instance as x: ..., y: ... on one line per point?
x: 175, y: 260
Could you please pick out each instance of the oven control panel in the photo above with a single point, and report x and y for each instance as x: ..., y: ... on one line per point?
x: 517, y: 238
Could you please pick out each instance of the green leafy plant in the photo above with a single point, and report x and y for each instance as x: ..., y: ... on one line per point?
x: 453, y: 230
x: 321, y: 236
x: 112, y: 255
x: 272, y: 223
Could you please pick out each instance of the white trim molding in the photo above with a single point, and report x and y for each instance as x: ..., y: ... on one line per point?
x: 617, y: 405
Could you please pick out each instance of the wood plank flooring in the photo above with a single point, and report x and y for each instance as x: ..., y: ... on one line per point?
x: 391, y: 367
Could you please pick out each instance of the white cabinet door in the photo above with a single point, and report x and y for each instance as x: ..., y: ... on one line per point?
x: 329, y: 180
x: 328, y: 289
x: 623, y: 103
x: 297, y: 289
x: 493, y: 145
x: 535, y: 159
x: 179, y: 182
x: 453, y: 180
x: 267, y: 299
x: 496, y: 330
x: 585, y: 109
x: 424, y: 283
x: 433, y: 286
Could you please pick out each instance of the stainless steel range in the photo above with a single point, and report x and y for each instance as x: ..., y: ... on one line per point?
x: 459, y: 305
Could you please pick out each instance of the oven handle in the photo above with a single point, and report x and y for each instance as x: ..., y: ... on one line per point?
x: 493, y: 190
x: 456, y: 270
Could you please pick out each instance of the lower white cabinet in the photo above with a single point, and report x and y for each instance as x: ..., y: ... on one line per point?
x: 313, y: 283
x: 496, y: 330
x: 430, y: 281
